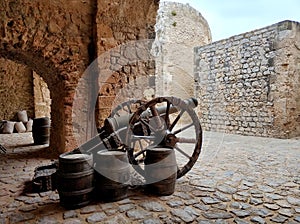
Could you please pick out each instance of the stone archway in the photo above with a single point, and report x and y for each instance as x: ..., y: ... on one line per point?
x: 59, y: 39
x: 52, y: 38
x: 47, y: 72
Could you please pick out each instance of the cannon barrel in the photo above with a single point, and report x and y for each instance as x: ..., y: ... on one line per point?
x: 150, y: 122
x: 191, y: 102
x: 114, y: 127
x: 112, y: 124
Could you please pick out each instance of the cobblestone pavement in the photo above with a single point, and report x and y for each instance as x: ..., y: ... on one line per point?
x: 237, y: 179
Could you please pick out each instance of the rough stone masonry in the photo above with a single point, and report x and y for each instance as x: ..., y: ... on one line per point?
x: 59, y: 39
x: 250, y: 83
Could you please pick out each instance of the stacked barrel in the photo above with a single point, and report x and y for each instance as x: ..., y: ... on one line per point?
x: 112, y: 175
x: 160, y: 171
x: 75, y: 180
x: 78, y: 183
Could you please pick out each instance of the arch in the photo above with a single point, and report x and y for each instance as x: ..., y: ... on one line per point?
x: 52, y: 39
x: 59, y: 40
x: 51, y: 75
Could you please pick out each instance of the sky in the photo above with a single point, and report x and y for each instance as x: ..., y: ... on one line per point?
x: 227, y: 18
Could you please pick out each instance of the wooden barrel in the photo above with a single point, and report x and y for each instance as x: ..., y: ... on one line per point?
x: 72, y: 163
x: 41, y: 130
x: 160, y: 171
x: 76, y: 199
x: 75, y: 180
x: 112, y: 174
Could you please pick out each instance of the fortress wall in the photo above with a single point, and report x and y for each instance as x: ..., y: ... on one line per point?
x: 250, y: 83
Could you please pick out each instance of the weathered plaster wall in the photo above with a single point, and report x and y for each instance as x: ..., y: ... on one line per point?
x: 16, y: 90
x: 249, y: 83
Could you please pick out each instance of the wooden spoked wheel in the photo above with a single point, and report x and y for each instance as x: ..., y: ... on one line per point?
x: 116, y: 125
x: 165, y: 122
x: 126, y: 108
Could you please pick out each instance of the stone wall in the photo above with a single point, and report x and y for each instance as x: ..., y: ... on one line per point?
x: 52, y: 39
x: 179, y: 28
x: 119, y: 30
x: 22, y: 89
x: 16, y: 90
x: 42, y: 100
x: 129, y: 68
x: 250, y: 83
x: 59, y: 39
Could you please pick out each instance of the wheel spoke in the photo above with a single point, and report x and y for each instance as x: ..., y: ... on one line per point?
x: 182, y: 129
x: 187, y: 140
x: 176, y: 120
x: 125, y: 107
x: 148, y: 141
x: 140, y: 144
x: 147, y: 124
x: 182, y: 152
x: 149, y: 138
x: 139, y: 153
x: 129, y: 109
x: 164, y: 117
x: 133, y: 145
x: 167, y: 120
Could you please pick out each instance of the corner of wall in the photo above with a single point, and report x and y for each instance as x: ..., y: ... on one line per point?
x: 287, y: 67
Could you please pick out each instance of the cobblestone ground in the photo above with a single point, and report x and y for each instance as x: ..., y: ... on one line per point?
x: 237, y: 179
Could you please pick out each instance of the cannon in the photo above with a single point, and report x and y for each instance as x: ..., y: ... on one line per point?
x: 136, y: 126
x: 160, y: 140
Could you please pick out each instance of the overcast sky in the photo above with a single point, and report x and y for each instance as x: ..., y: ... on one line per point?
x: 227, y: 18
